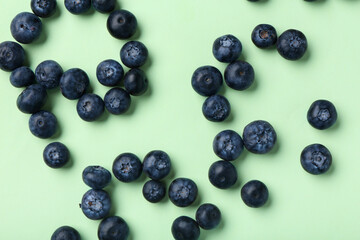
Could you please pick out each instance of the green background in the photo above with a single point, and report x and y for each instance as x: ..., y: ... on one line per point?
x: 35, y: 199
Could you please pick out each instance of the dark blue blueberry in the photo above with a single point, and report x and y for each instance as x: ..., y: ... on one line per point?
x: 90, y: 107
x: 208, y: 216
x: 12, y: 55
x: 254, y: 193
x: 104, y: 6
x: 77, y: 6
x: 56, y: 155
x: 227, y: 48
x: 48, y: 74
x: 22, y: 77
x: 156, y: 164
x: 96, y: 177
x: 259, y: 137
x: 127, y: 167
x: 228, y: 145
x: 239, y: 75
x: 26, y: 27
x: 136, y: 82
x: 73, y: 83
x: 117, y: 101
x: 185, y: 228
x: 121, y: 24
x: 32, y: 99
x: 222, y: 174
x: 154, y: 191
x: 264, y: 36
x: 109, y: 73
x: 113, y: 228
x: 207, y: 80
x: 96, y: 204
x: 43, y: 124
x: 216, y: 108
x: 322, y: 114
x: 316, y: 159
x: 65, y: 233
x: 183, y: 192
x: 292, y: 44
x: 43, y: 8
x: 134, y: 54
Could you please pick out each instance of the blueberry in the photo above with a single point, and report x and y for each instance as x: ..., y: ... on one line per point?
x: 32, y: 99
x: 12, y: 55
x: 117, y: 101
x: 96, y: 204
x: 264, y: 36
x: 185, y: 228
x: 121, y: 24
x: 22, y: 77
x: 292, y: 44
x: 136, y: 82
x: 43, y: 124
x: 113, y: 228
x: 157, y: 164
x: 183, y: 192
x: 222, y: 174
x: 26, y: 27
x: 109, y: 73
x: 322, y: 114
x: 48, y: 74
x: 227, y: 48
x: 127, y: 167
x: 254, y: 193
x: 207, y: 80
x: 65, y: 233
x: 259, y: 137
x: 216, y: 108
x: 56, y: 155
x: 316, y: 159
x: 228, y: 145
x: 239, y: 75
x: 90, y: 107
x: 208, y: 216
x: 134, y: 54
x: 43, y: 8
x: 77, y: 6
x: 96, y: 177
x: 104, y: 6
x: 154, y: 191
x: 73, y: 83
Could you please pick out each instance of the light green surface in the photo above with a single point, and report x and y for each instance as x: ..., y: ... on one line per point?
x: 35, y: 199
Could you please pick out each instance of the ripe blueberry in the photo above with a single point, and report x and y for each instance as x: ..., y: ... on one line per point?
x: 90, y: 107
x: 227, y: 48
x: 208, y: 216
x: 113, y: 228
x: 22, y: 77
x: 32, y: 99
x: 157, y: 165
x: 48, y: 74
x: 96, y: 177
x: 56, y: 155
x: 264, y: 36
x: 185, y: 228
x: 154, y: 191
x: 316, y: 159
x: 127, y: 167
x: 26, y: 27
x: 254, y: 193
x: 206, y: 80
x: 183, y: 192
x: 96, y: 204
x: 43, y: 124
x: 228, y: 145
x: 12, y: 55
x: 259, y: 137
x: 134, y: 54
x: 292, y: 44
x: 121, y: 24
x: 222, y: 174
x: 322, y: 114
x: 239, y: 75
x: 216, y: 108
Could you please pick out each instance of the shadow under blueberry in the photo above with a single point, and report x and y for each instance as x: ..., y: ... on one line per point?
x: 52, y: 18
x: 110, y: 190
x: 70, y: 163
x: 253, y: 87
x: 304, y: 58
x: 104, y: 116
x: 205, y: 233
x: 147, y: 64
x: 316, y: 2
x: 136, y: 35
x: 58, y: 131
x: 88, y: 13
x: 334, y: 127
x: 275, y: 149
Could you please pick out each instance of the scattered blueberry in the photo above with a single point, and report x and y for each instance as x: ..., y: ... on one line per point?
x: 22, y: 77
x: 156, y: 165
x: 292, y: 44
x: 32, y: 99
x: 48, y: 74
x: 154, y: 191
x: 259, y: 137
x: 316, y: 159
x: 228, y: 145
x: 183, y: 192
x: 227, y: 48
x: 109, y: 73
x: 65, y: 233
x: 185, y: 228
x: 113, y: 228
x: 26, y: 27
x: 96, y: 177
x: 43, y: 124
x: 77, y: 6
x: 12, y: 55
x: 43, y: 8
x: 56, y: 155
x: 208, y: 216
x: 136, y: 82
x: 73, y: 83
x: 104, y: 6
x: 322, y: 114
x: 90, y: 107
x: 264, y: 36
x: 222, y: 174
x: 239, y: 75
x: 207, y: 80
x: 134, y: 54
x: 254, y: 193
x: 96, y: 204
x: 122, y: 24
x: 127, y: 167
x: 117, y: 101
x: 216, y: 108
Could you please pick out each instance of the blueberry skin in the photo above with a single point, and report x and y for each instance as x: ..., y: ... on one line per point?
x: 43, y: 8
x: 208, y: 216
x: 254, y: 193
x: 239, y: 75
x: 154, y: 191
x: 207, y: 80
x: 113, y: 228
x: 90, y: 107
x: 185, y: 228
x: 259, y: 137
x: 134, y: 54
x: 127, y: 167
x: 216, y: 108
x: 73, y: 83
x: 22, y: 77
x: 48, y: 74
x: 121, y: 24
x: 264, y: 36
x: 96, y: 177
x: 136, y: 82
x: 104, y: 6
x: 183, y: 192
x: 12, y: 56
x: 43, y: 124
x: 292, y: 44
x: 322, y: 114
x: 228, y: 145
x: 77, y: 6
x: 32, y: 99
x: 109, y: 73
x: 117, y: 101
x: 157, y: 165
x: 227, y: 48
x: 222, y: 174
x: 316, y: 159
x: 96, y: 204
x: 26, y: 27
x: 56, y: 155
x: 65, y: 233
